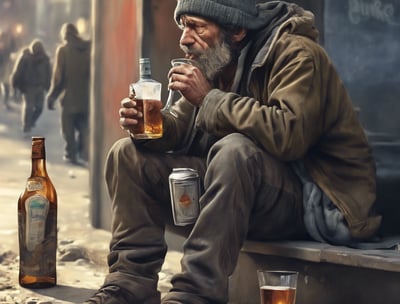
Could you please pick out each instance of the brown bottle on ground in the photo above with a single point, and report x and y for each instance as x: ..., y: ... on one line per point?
x: 37, y: 224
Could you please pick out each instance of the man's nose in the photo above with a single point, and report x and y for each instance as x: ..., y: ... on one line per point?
x: 187, y: 38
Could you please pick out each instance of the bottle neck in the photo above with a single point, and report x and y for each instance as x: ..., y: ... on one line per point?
x: 38, y: 157
x: 145, y: 68
x: 145, y: 76
x: 38, y: 167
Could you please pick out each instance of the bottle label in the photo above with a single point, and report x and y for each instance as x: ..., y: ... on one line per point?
x: 37, y: 208
x: 34, y: 185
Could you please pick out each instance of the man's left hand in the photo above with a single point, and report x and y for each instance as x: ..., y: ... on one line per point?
x: 190, y: 81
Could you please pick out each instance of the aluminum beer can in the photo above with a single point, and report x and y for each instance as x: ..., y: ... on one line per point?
x: 184, y: 186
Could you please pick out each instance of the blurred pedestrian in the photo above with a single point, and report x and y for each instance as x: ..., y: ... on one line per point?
x: 71, y: 81
x: 7, y: 47
x: 31, y: 76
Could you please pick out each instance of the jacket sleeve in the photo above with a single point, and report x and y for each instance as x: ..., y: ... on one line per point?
x: 285, y: 117
x: 17, y: 75
x: 58, y: 78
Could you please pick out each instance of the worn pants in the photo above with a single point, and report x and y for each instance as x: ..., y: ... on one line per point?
x: 33, y: 101
x: 75, y: 131
x: 247, y: 194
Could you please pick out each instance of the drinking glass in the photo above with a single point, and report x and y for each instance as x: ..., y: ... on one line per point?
x: 171, y: 94
x: 277, y: 287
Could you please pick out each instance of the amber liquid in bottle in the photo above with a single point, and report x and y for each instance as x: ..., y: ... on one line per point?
x: 37, y: 224
x: 147, y: 94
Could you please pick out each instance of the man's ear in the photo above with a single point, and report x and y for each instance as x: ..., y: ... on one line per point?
x: 239, y: 35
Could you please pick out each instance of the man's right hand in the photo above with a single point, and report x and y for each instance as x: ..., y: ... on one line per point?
x: 128, y: 114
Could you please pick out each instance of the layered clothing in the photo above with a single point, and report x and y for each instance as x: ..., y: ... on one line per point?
x: 292, y: 103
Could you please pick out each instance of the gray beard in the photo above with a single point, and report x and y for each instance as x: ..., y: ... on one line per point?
x: 213, y: 60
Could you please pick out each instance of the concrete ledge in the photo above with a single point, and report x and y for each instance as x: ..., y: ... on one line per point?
x: 387, y: 259
x: 327, y: 274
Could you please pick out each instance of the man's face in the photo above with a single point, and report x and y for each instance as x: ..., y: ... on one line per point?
x: 204, y: 42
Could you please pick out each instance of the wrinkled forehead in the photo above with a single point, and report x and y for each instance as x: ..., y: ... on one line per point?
x: 186, y: 18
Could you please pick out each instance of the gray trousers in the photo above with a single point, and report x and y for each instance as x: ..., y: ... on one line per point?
x: 75, y: 131
x: 247, y: 194
x: 33, y: 100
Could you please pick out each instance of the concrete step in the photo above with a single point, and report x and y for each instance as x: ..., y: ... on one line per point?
x: 327, y: 274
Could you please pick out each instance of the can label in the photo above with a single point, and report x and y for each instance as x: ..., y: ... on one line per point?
x: 184, y: 185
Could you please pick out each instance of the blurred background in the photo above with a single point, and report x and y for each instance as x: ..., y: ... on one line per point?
x: 361, y: 37
x: 29, y: 19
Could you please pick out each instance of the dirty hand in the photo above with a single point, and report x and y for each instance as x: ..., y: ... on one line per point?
x: 129, y: 114
x: 190, y: 81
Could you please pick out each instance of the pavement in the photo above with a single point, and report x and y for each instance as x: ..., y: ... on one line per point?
x: 82, y: 249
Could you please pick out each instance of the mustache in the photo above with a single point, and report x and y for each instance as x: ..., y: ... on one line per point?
x: 190, y: 51
x: 210, y: 61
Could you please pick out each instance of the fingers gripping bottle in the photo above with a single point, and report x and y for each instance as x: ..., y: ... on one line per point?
x: 37, y: 224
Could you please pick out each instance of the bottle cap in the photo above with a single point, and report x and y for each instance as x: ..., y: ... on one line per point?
x: 145, y: 67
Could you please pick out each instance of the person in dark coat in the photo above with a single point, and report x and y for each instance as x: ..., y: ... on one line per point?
x: 31, y: 76
x: 70, y: 82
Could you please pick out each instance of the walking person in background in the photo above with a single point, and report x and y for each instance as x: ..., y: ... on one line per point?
x: 7, y: 47
x: 265, y: 120
x: 31, y: 76
x: 70, y: 82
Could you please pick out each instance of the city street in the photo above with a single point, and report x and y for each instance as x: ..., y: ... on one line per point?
x: 82, y: 250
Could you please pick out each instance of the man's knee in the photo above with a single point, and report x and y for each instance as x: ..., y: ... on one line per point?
x: 122, y: 152
x: 232, y: 149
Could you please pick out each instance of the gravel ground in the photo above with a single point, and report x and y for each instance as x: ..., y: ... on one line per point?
x: 82, y: 250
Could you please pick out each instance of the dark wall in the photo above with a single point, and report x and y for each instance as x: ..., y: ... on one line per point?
x: 363, y: 39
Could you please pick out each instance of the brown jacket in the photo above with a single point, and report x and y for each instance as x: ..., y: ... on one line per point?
x: 294, y: 105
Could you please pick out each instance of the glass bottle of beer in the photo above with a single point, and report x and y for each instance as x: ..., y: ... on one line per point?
x: 147, y: 94
x: 37, y: 224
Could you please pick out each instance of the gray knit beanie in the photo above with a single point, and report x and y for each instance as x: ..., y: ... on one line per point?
x: 236, y: 13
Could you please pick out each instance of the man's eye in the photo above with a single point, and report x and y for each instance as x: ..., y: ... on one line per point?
x: 198, y: 28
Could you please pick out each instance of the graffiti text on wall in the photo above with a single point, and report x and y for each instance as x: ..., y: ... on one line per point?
x: 376, y: 10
